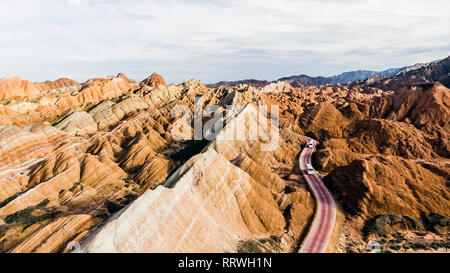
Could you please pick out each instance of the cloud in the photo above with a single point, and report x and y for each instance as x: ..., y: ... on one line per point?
x: 217, y: 40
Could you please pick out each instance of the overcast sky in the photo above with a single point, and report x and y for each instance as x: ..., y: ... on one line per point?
x: 213, y: 40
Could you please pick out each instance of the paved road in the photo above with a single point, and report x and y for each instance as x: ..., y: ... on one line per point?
x: 323, y: 223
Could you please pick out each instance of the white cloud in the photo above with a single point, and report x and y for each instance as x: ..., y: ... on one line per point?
x: 217, y: 40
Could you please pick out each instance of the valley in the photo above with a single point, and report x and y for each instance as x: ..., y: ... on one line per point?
x: 112, y: 165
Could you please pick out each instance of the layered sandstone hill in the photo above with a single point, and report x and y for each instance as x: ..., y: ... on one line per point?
x: 154, y: 80
x: 14, y: 87
x: 78, y: 153
x: 62, y: 84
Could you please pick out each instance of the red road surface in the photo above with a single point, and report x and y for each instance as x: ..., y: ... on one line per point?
x: 323, y: 223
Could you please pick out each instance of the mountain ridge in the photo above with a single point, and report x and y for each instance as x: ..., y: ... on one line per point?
x: 343, y: 78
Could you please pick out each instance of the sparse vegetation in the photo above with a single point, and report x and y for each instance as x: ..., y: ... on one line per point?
x: 32, y: 214
x: 263, y: 245
x: 250, y: 246
x: 384, y: 225
x: 129, y: 198
x: 7, y: 200
x: 418, y: 246
x: 113, y: 207
x: 3, y: 230
x: 395, y: 247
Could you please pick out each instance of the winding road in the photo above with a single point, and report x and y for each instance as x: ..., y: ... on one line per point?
x: 325, y: 216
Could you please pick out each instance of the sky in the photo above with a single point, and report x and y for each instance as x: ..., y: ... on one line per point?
x: 214, y: 40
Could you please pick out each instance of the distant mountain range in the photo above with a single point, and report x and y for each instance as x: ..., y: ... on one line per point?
x: 344, y: 78
x: 252, y: 82
x: 438, y: 71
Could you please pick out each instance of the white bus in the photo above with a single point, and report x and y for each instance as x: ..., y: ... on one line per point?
x: 309, y: 169
x: 311, y: 143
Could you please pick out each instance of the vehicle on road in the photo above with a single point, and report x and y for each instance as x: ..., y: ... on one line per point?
x: 311, y: 144
x: 309, y: 169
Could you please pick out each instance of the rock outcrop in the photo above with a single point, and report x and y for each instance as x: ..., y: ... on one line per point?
x: 14, y: 87
x: 154, y: 80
